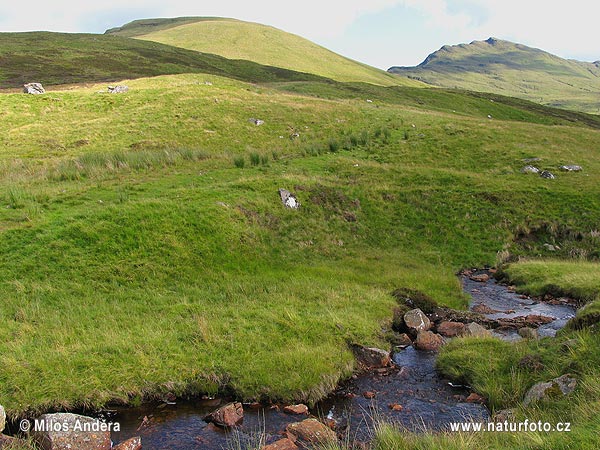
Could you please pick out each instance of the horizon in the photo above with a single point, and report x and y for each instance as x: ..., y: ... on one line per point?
x: 368, y: 33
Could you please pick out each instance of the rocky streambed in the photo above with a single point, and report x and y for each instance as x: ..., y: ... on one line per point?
x: 404, y: 389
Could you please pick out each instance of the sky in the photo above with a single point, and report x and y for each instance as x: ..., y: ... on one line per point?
x: 381, y: 33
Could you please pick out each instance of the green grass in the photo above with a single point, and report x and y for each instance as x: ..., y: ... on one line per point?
x: 511, y: 69
x: 235, y: 39
x: 137, y: 257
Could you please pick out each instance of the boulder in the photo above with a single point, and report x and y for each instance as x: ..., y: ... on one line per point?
x: 416, y: 320
x: 288, y: 199
x: 66, y: 431
x: 481, y: 278
x: 371, y: 357
x: 296, y: 409
x: 528, y: 333
x: 475, y: 398
x: 530, y: 169
x: 476, y: 330
x: 428, y: 341
x: 556, y: 388
x: 227, y: 416
x: 2, y: 418
x: 281, y: 444
x: 33, y: 88
x: 310, y: 431
x: 257, y: 122
x: 118, y: 89
x: 134, y: 443
x: 451, y: 329
x: 571, y: 168
x: 548, y: 175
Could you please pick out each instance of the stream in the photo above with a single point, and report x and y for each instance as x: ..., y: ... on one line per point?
x: 410, y: 394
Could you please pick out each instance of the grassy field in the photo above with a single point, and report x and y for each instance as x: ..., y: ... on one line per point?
x: 235, y: 39
x: 512, y: 69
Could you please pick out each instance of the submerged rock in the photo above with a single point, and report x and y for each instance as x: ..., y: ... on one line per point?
x: 556, y: 388
x: 310, y: 431
x: 227, y: 416
x: 416, y: 320
x: 63, y: 431
x: 33, y: 88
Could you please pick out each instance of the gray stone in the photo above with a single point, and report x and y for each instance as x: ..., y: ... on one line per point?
x: 2, y: 418
x: 530, y: 169
x: 556, y: 388
x: 475, y: 330
x: 257, y: 122
x: 528, y: 333
x: 370, y: 357
x: 33, y: 88
x: 571, y: 168
x: 66, y: 431
x: 118, y: 89
x: 416, y: 320
x: 288, y: 199
x: 311, y: 431
x: 548, y: 175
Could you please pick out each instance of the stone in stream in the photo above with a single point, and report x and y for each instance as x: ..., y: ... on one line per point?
x: 428, y: 341
x: 63, y: 431
x: 296, y: 409
x: 281, y: 444
x: 134, y: 443
x: 227, y: 416
x: 416, y: 320
x: 310, y: 431
x: 451, y: 329
x: 2, y: 418
x: 556, y: 388
x: 528, y: 333
x: 476, y: 330
x: 482, y: 278
x: 370, y: 357
x: 33, y: 88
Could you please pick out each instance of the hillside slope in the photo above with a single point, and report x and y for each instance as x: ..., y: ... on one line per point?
x: 65, y: 58
x: 263, y: 44
x: 512, y: 69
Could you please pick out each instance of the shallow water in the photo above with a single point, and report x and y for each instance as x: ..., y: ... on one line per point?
x: 426, y: 401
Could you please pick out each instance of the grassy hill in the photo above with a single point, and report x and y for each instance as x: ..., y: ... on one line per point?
x: 512, y: 69
x: 265, y: 45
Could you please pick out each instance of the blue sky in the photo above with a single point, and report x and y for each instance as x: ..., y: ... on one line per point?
x: 378, y: 32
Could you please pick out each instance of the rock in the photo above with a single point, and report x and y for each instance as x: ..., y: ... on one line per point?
x: 118, y: 89
x: 476, y: 330
x: 2, y: 418
x: 451, y: 329
x: 556, y: 388
x: 227, y: 416
x: 504, y: 415
x: 548, y: 175
x: 482, y: 278
x: 530, y: 169
x: 370, y: 357
x: 395, y: 407
x: 33, y: 88
x: 571, y: 168
x: 63, y: 431
x: 428, y: 341
x: 134, y: 443
x: 550, y: 247
x: 296, y: 409
x: 416, y: 320
x: 288, y: 199
x: 483, y: 309
x: 257, y: 122
x: 474, y: 398
x: 528, y: 333
x: 369, y: 395
x: 281, y: 444
x: 535, y: 319
x: 310, y: 431
x: 402, y: 340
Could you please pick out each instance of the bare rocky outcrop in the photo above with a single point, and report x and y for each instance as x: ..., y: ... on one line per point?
x: 33, y: 88
x: 66, y: 431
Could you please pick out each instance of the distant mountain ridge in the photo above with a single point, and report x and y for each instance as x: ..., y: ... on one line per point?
x: 235, y: 39
x: 508, y: 68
